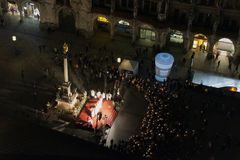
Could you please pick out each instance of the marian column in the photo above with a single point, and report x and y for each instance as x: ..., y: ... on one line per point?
x: 66, y: 87
x: 66, y: 99
x: 65, y: 62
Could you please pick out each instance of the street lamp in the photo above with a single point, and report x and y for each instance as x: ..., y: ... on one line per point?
x: 14, y: 39
x: 119, y: 60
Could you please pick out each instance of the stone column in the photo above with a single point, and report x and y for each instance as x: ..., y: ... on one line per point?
x: 239, y: 34
x: 159, y: 6
x: 166, y: 8
x: 163, y: 38
x: 213, y: 36
x: 113, y: 6
x: 65, y: 64
x: 112, y: 30
x: 237, y: 52
x: 135, y: 8
x: 211, y: 43
x: 134, y: 31
x: 21, y: 12
x: 188, y: 38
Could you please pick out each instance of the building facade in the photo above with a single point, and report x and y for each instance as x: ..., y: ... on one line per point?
x: 204, y: 24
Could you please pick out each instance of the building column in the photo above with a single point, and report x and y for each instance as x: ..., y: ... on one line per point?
x: 21, y: 13
x: 112, y: 32
x: 211, y: 43
x: 135, y: 8
x: 213, y: 36
x: 163, y: 38
x: 4, y: 7
x: 134, y: 32
x: 166, y: 8
x: 237, y: 52
x: 159, y: 6
x: 113, y: 6
x: 188, y: 39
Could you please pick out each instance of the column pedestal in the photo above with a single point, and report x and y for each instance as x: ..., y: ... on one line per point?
x: 66, y: 92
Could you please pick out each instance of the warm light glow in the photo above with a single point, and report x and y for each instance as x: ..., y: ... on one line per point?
x: 14, y: 38
x: 97, y: 108
x: 119, y: 60
x: 233, y: 89
x: 102, y: 19
x: 200, y: 40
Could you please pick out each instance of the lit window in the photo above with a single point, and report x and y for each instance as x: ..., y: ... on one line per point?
x: 102, y: 19
x: 122, y: 22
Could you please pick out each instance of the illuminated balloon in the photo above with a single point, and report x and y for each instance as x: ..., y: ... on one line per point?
x: 163, y: 65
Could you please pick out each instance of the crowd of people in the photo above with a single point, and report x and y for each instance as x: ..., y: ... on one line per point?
x: 174, y: 127
x: 176, y: 124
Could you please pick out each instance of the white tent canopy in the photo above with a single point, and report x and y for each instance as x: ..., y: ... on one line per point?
x: 129, y: 65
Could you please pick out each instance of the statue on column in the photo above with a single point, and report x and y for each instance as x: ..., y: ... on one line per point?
x: 66, y: 86
x: 66, y: 99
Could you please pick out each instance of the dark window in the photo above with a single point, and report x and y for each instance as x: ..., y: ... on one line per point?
x: 146, y: 5
x: 60, y: 2
x: 153, y: 7
x: 130, y: 4
x: 108, y: 2
x: 67, y: 2
x: 163, y: 7
x: 124, y: 3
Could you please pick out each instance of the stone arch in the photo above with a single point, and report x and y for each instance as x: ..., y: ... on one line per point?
x: 148, y: 32
x: 22, y: 4
x: 64, y: 8
x: 66, y: 19
x: 200, y: 42
x: 102, y: 22
x: 176, y: 36
x: 123, y: 27
x: 224, y: 46
x: 119, y: 19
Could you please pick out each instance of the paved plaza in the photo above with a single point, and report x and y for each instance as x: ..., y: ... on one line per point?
x: 28, y: 72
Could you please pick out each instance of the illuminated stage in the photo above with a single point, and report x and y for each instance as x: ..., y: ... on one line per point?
x: 91, y: 111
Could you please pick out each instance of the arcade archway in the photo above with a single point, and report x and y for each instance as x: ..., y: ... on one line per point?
x: 66, y: 20
x: 147, y: 33
x: 200, y: 42
x: 13, y: 8
x: 224, y: 46
x: 176, y: 37
x: 102, y: 24
x: 123, y: 28
x: 30, y: 10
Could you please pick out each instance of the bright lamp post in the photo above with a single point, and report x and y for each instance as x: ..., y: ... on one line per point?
x: 14, y: 39
x: 119, y: 60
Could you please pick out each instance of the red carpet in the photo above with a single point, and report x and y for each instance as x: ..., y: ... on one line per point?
x: 108, y: 114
